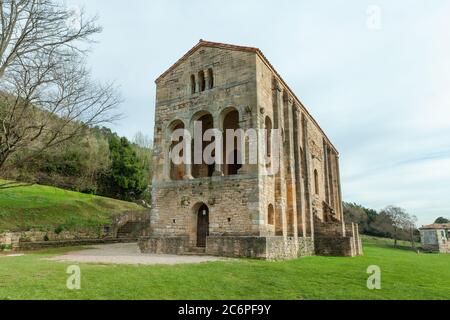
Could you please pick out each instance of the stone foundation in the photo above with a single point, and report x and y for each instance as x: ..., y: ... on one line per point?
x: 269, y: 248
x: 30, y: 246
x: 280, y: 249
x: 333, y: 238
x: 438, y: 248
x: 328, y: 246
x: 237, y: 247
x: 164, y: 245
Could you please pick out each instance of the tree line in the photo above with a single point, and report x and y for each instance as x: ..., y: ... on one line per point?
x: 100, y: 163
x: 391, y: 222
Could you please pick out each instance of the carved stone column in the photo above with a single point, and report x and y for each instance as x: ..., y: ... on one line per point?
x: 218, y: 166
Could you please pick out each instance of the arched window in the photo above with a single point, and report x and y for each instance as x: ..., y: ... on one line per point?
x: 201, y: 81
x: 271, y: 215
x: 268, y: 124
x: 177, y: 172
x: 316, y: 182
x: 203, y: 170
x: 210, y: 78
x: 192, y: 84
x: 232, y: 158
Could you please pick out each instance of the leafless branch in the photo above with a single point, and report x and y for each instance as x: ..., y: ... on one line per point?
x: 47, y: 96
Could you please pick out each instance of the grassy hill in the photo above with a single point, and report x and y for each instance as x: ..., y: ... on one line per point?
x: 404, y: 275
x: 26, y: 207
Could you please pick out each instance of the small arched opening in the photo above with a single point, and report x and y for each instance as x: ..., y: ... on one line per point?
x: 270, y: 215
x: 210, y: 78
x: 268, y: 125
x: 316, y: 182
x: 201, y: 81
x: 193, y: 84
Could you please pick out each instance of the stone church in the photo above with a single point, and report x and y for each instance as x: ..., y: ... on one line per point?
x: 231, y: 210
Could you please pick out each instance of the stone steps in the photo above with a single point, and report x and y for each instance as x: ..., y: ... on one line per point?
x: 129, y: 230
x: 194, y: 251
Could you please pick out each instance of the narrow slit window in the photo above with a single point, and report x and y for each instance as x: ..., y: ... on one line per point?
x: 192, y: 84
x: 210, y: 78
x: 316, y: 181
x: 201, y: 81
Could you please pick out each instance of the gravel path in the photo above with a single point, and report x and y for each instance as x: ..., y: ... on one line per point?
x: 127, y: 253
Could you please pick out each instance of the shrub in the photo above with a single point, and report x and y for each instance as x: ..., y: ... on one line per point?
x: 5, y: 247
x: 59, y: 229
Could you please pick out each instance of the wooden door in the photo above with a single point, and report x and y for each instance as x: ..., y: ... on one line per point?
x: 202, y: 226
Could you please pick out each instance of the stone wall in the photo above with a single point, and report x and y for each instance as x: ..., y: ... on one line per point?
x: 164, y: 245
x: 238, y: 247
x: 27, y: 246
x: 279, y: 248
x: 140, y: 220
x: 307, y: 184
x: 232, y: 203
x: 13, y: 238
x: 337, y: 239
x: 328, y: 246
x: 317, y: 152
x: 38, y: 239
x: 434, y: 240
x: 9, y: 241
x: 270, y: 248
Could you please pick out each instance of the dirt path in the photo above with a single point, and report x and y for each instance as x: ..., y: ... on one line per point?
x: 127, y: 253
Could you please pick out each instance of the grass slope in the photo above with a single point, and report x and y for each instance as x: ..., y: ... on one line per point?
x: 45, y: 208
x: 405, y: 275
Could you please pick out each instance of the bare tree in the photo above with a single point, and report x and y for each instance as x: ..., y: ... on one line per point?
x: 46, y: 93
x: 142, y: 140
x: 411, y: 226
x: 399, y: 219
x: 144, y: 153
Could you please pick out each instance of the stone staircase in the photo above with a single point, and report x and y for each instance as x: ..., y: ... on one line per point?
x: 129, y: 230
x: 195, y: 251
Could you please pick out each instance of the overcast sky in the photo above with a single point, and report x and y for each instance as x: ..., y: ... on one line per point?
x: 379, y: 84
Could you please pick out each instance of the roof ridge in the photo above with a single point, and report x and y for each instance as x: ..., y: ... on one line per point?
x: 210, y: 44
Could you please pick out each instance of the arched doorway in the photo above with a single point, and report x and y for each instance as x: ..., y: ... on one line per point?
x: 202, y: 225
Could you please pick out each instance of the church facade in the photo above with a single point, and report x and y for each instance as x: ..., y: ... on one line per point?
x: 233, y: 209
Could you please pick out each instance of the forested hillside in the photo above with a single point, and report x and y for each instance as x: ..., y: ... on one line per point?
x: 99, y: 162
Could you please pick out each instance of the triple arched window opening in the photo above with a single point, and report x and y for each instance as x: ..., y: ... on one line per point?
x: 231, y: 163
x: 202, y: 81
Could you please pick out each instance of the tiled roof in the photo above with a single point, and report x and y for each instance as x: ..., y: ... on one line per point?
x: 437, y: 226
x: 203, y: 43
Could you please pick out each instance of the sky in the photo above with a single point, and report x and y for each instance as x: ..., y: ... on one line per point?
x: 375, y: 75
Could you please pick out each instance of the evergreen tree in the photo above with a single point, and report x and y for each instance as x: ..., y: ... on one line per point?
x: 126, y: 179
x: 442, y: 220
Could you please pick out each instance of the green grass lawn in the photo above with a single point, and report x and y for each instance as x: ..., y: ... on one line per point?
x: 405, y: 275
x: 45, y: 208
